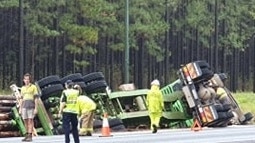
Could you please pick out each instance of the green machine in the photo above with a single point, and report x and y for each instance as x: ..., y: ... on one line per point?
x: 130, y: 106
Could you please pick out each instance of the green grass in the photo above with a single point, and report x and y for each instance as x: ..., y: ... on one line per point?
x: 246, y: 101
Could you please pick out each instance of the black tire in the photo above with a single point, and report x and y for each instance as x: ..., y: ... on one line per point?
x: 76, y: 77
x: 93, y: 77
x: 222, y: 108
x: 97, y: 124
x: 227, y: 107
x: 207, y: 74
x: 119, y: 128
x: 223, y: 76
x: 49, y: 91
x: 223, y: 115
x: 218, y: 107
x: 248, y: 116
x: 96, y: 86
x: 202, y: 64
x: 54, y: 79
x: 115, y: 122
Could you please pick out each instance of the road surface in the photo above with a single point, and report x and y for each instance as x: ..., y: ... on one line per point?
x: 231, y: 134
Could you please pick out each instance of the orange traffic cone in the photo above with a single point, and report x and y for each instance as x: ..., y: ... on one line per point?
x: 105, y: 127
x: 196, y: 126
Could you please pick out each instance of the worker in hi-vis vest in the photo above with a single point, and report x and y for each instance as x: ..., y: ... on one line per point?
x: 86, y: 111
x: 69, y: 111
x: 155, y: 104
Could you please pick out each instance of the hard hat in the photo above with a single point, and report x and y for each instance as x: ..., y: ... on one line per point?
x: 155, y: 82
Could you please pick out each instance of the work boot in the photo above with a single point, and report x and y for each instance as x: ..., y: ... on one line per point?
x: 88, y: 134
x: 25, y: 138
x: 82, y: 134
x: 28, y: 138
x: 155, y: 129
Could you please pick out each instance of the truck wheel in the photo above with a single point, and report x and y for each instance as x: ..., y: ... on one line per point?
x: 52, y: 90
x: 76, y: 77
x: 222, y: 108
x: 227, y: 107
x: 115, y: 122
x: 97, y: 124
x: 206, y: 75
x: 97, y: 86
x: 93, y: 77
x: 54, y: 79
x: 202, y: 64
x: 225, y: 115
x: 223, y: 76
x: 118, y: 128
x: 248, y: 116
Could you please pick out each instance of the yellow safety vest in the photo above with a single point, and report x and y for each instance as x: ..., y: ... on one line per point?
x: 71, y: 100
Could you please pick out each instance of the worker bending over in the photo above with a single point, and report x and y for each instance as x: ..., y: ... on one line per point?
x: 87, y: 109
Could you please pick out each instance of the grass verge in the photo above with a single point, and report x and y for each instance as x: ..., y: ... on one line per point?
x: 246, y: 101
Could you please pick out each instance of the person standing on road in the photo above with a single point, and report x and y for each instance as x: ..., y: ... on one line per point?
x: 69, y: 111
x: 155, y: 104
x: 87, y: 109
x: 28, y: 105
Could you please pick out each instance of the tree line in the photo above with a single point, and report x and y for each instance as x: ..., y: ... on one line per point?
x: 60, y: 37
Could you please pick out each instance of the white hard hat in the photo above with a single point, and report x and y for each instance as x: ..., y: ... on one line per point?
x: 155, y: 82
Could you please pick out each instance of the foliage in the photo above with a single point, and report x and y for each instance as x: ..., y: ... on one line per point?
x: 39, y: 17
x: 9, y: 3
x: 147, y: 23
x: 239, y: 21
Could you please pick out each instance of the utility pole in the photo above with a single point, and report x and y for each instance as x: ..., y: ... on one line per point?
x: 127, y: 43
x: 21, y: 42
x: 216, y: 50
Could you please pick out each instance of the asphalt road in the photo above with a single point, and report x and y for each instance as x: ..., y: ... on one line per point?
x: 231, y: 134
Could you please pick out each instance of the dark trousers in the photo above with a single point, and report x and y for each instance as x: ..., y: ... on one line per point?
x: 67, y: 119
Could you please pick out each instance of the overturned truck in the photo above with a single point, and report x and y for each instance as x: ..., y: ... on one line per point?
x: 202, y: 89
x: 192, y: 96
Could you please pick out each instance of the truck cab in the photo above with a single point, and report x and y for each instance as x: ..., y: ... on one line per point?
x: 201, y: 97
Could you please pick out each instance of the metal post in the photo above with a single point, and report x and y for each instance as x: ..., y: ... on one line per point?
x: 216, y: 50
x: 127, y: 44
x: 21, y: 40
